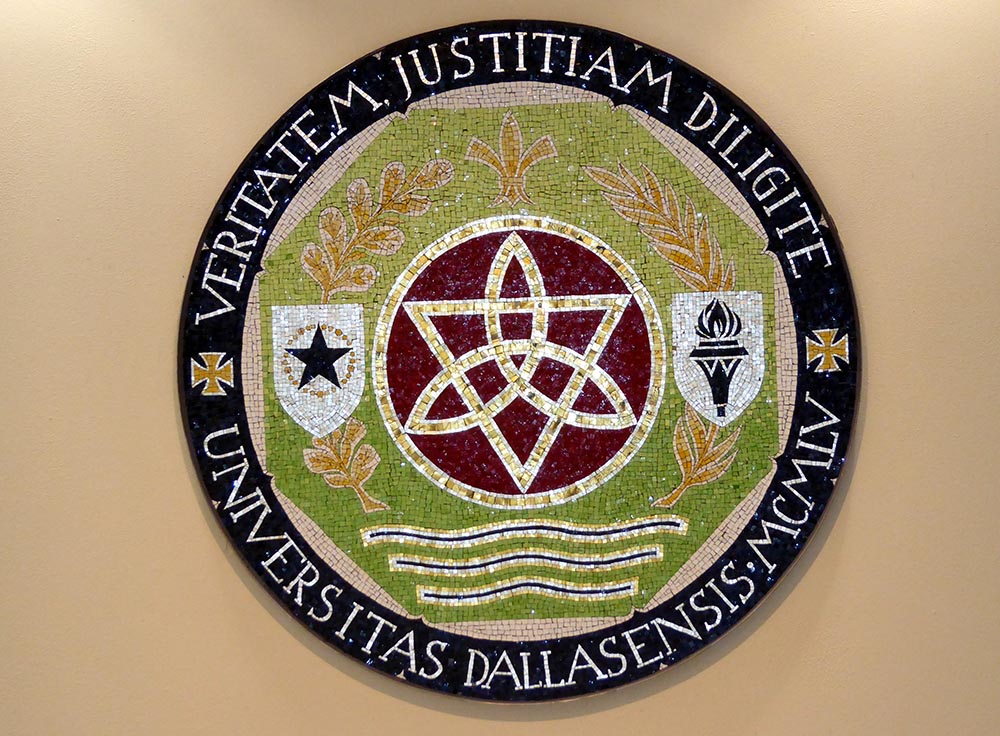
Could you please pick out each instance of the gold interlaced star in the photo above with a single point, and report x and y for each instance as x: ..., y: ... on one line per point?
x: 503, y: 351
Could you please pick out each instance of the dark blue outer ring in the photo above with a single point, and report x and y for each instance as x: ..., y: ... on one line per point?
x: 814, y: 307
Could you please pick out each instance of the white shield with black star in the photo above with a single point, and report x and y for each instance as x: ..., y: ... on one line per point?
x: 319, y: 363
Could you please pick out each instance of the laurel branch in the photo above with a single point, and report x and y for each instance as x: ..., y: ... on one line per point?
x: 684, y: 238
x: 334, y: 263
x: 701, y: 458
x: 345, y: 463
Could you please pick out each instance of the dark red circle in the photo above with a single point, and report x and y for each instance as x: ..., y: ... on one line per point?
x: 567, y: 268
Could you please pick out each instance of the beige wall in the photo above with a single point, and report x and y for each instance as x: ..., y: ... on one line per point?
x: 122, y: 608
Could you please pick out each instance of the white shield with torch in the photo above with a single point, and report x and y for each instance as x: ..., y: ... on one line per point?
x: 718, y: 351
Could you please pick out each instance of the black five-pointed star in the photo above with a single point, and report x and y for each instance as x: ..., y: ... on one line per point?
x: 320, y: 359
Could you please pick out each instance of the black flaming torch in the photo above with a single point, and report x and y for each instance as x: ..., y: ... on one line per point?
x: 719, y: 353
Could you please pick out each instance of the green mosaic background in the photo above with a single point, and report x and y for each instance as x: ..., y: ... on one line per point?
x: 584, y: 134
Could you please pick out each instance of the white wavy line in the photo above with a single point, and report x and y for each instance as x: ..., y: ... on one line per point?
x: 511, y: 587
x: 474, y: 566
x: 525, y: 528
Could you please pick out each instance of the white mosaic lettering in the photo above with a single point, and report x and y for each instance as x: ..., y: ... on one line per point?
x: 526, y: 674
x: 574, y: 42
x: 608, y: 68
x: 647, y: 70
x: 617, y: 656
x: 547, y: 54
x: 347, y: 102
x: 508, y: 671
x: 587, y: 664
x: 728, y: 579
x: 380, y: 623
x: 405, y: 647
x: 548, y: 671
x: 495, y: 38
x: 324, y: 595
x: 688, y: 630
x: 808, y: 251
x: 306, y: 136
x: 706, y: 99
x: 418, y: 65
x: 711, y: 584
x: 717, y: 612
x: 635, y: 647
x: 766, y: 540
x: 464, y: 40
x: 477, y: 659
x: 356, y: 608
x: 438, y: 666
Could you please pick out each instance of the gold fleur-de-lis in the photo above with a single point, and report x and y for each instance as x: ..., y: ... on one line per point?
x: 511, y: 163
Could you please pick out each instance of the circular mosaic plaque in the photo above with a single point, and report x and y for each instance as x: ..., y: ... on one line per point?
x: 519, y: 360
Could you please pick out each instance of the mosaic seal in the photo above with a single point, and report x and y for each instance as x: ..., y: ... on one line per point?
x: 519, y: 360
